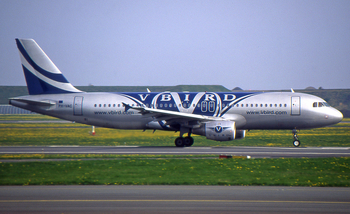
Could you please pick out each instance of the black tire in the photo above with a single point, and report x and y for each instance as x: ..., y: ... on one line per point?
x: 296, y: 143
x: 188, y: 141
x: 179, y: 142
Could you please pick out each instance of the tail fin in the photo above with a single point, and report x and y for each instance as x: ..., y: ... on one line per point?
x: 42, y: 75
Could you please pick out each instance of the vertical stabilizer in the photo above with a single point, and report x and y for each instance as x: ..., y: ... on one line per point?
x: 42, y: 75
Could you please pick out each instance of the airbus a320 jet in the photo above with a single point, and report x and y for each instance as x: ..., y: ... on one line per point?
x: 219, y: 116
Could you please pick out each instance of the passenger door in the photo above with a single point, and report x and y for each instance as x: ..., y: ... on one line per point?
x: 295, y: 106
x: 78, y: 106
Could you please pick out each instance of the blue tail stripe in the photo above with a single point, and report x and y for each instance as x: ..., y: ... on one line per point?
x: 55, y: 77
x: 37, y: 86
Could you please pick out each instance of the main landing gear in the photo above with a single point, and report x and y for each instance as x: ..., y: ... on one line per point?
x: 296, y: 142
x: 184, y: 141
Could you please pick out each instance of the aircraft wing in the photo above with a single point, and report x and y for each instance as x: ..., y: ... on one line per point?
x: 173, y: 117
x: 162, y: 114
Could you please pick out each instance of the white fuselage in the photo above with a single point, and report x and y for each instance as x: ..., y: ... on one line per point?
x: 273, y: 110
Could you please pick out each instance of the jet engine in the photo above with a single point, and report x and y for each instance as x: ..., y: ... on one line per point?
x: 219, y: 130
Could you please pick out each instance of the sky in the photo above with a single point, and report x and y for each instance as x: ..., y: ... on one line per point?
x: 257, y: 45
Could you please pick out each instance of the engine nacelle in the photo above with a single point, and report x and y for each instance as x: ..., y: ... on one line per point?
x: 218, y: 130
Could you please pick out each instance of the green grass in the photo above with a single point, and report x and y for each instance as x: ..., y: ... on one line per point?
x: 285, y: 172
x: 78, y: 134
x: 42, y: 134
x: 8, y: 117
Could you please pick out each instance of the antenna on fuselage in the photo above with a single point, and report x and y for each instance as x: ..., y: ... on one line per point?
x: 292, y: 90
x: 148, y: 90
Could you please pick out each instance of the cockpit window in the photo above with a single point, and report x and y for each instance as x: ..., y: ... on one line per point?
x: 320, y: 104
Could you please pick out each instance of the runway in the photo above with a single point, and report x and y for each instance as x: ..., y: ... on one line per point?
x: 254, y: 152
x: 172, y: 199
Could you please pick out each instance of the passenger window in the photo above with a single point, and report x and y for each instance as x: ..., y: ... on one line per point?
x: 275, y: 105
x: 237, y: 105
x: 261, y: 105
x: 251, y: 105
x: 285, y: 105
x: 270, y: 105
x: 280, y: 105
x: 95, y: 105
x: 242, y: 105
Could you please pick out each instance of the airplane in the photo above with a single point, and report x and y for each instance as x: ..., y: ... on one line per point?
x: 219, y: 116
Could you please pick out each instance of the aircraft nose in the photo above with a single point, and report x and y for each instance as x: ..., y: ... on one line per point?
x: 335, y: 116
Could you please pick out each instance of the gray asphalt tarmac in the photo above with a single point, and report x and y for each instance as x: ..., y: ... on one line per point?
x: 173, y: 199
x: 254, y: 152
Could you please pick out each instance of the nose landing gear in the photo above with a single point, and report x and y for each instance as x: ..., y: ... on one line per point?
x: 296, y: 142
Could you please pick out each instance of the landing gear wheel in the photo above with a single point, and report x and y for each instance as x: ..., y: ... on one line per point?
x: 179, y: 142
x: 188, y: 141
x: 296, y: 143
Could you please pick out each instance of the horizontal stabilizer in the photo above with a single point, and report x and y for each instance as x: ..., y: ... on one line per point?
x: 33, y: 102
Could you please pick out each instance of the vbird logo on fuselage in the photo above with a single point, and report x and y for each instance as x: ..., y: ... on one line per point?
x: 203, y: 103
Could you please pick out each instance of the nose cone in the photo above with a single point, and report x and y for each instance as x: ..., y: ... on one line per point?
x: 335, y: 116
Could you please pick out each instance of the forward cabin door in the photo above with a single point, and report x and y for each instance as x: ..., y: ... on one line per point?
x: 78, y: 106
x: 295, y: 106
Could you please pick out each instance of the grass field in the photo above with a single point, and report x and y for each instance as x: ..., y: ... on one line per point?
x: 131, y: 171
x: 37, y: 134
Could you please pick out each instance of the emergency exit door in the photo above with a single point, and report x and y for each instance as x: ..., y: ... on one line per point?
x: 78, y: 106
x: 295, y: 106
